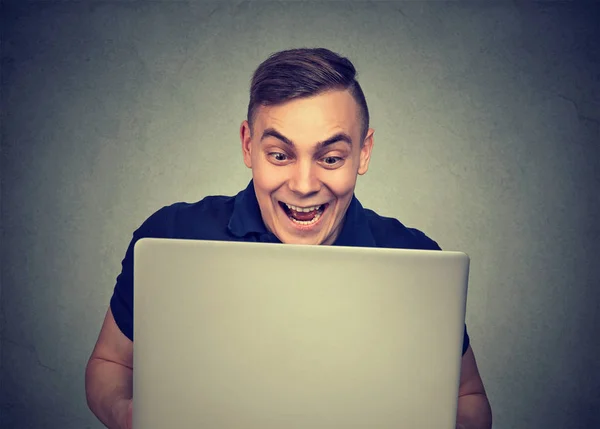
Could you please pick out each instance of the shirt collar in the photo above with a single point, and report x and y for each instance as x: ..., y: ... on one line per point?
x: 356, y: 230
x: 246, y: 219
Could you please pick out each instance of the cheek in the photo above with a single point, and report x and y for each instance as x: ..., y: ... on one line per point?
x: 342, y: 182
x: 266, y: 176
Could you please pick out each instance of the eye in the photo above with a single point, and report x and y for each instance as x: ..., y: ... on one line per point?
x: 278, y: 156
x: 332, y: 161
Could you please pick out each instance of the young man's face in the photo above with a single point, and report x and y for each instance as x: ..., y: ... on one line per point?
x: 305, y: 156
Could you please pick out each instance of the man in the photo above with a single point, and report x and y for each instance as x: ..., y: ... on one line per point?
x: 306, y: 139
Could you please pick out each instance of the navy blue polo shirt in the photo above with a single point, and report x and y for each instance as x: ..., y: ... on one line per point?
x: 238, y: 218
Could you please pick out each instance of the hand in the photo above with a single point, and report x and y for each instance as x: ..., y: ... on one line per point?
x: 129, y: 417
x: 124, y: 414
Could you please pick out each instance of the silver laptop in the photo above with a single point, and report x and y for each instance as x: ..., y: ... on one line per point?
x: 235, y: 335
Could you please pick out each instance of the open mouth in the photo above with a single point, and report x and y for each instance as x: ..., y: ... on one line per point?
x: 305, y: 216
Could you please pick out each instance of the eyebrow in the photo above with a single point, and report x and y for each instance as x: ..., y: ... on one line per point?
x: 339, y: 137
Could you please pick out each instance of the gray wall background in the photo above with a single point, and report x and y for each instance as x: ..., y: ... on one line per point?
x: 487, y: 118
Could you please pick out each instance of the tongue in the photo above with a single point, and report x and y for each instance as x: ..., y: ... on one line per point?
x: 303, y: 216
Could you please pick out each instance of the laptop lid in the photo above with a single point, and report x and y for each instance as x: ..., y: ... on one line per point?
x: 270, y: 336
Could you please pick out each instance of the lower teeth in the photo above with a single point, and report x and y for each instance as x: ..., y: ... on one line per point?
x: 306, y: 222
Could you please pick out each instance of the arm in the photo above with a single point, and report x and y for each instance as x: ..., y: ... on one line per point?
x: 474, y: 411
x: 108, y: 376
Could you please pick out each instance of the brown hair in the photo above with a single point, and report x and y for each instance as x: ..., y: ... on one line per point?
x: 305, y: 72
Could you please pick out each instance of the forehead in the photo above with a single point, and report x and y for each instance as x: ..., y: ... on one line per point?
x: 312, y: 118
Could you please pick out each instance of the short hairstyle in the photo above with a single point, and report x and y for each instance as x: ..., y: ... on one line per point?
x: 301, y: 73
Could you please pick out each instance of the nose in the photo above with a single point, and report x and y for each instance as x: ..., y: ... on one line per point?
x: 304, y: 180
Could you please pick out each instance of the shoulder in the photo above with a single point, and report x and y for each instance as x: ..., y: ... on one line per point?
x: 189, y: 219
x: 390, y: 232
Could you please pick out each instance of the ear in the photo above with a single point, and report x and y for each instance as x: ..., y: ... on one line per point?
x: 246, y: 138
x: 365, y: 152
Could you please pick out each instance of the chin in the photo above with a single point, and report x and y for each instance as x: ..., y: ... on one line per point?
x: 294, y: 239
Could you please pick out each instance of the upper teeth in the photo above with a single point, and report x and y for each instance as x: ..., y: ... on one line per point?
x: 300, y: 209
